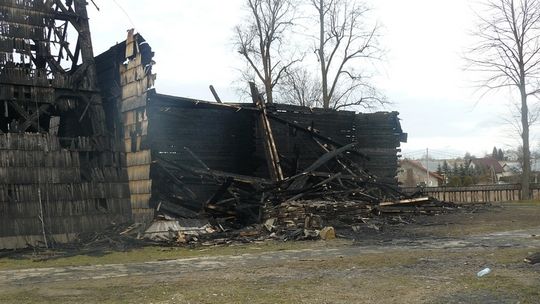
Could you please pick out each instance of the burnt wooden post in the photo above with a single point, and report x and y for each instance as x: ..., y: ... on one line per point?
x: 214, y: 92
x: 272, y: 156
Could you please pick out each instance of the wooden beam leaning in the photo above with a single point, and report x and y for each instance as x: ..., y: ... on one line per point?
x: 270, y: 149
x: 214, y: 92
x: 313, y: 133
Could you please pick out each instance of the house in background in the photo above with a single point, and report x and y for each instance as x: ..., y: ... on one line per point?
x: 511, y: 171
x: 490, y: 166
x: 412, y: 173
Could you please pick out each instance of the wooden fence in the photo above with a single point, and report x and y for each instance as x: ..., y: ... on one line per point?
x: 476, y: 194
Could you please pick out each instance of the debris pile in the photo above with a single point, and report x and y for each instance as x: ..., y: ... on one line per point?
x: 308, y: 219
x: 294, y: 199
x: 314, y: 215
x: 240, y: 198
x: 181, y: 231
x: 302, y: 164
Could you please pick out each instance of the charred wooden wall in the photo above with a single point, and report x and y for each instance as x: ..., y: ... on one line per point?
x: 298, y: 149
x: 73, y: 190
x: 221, y: 137
x: 226, y: 139
x: 124, y: 77
x: 61, y: 173
x: 379, y: 136
x: 194, y: 134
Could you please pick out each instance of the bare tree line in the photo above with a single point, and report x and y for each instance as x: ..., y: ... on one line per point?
x: 507, y: 55
x: 344, y: 43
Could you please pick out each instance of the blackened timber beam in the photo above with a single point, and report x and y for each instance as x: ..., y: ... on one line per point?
x: 314, y: 134
x: 322, y: 183
x: 220, y: 192
x: 299, y: 180
x: 29, y: 119
x: 213, y: 174
x: 85, y: 40
x: 34, y: 118
x: 75, y: 61
x: 179, y: 183
x: 330, y: 155
x: 216, y: 96
x: 198, y: 159
x: 272, y: 156
x: 326, y: 150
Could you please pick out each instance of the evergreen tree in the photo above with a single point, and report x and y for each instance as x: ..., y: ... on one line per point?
x: 467, y: 181
x: 446, y: 168
x: 500, y: 155
x: 495, y: 153
x: 455, y: 170
x: 439, y: 169
x: 462, y: 171
x: 455, y: 181
x: 478, y: 171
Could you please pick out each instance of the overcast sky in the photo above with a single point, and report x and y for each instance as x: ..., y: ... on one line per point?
x: 422, y: 74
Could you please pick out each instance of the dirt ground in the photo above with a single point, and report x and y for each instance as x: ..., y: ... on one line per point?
x: 433, y: 260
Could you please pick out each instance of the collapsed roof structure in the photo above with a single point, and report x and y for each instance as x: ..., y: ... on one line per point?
x: 186, y: 156
x: 88, y: 141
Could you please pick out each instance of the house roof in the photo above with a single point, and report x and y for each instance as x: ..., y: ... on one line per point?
x: 511, y: 166
x: 419, y: 166
x: 488, y: 162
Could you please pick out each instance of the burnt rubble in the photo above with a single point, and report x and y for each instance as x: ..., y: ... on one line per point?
x: 92, y: 154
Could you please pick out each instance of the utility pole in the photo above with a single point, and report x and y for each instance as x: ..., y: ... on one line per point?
x: 427, y: 167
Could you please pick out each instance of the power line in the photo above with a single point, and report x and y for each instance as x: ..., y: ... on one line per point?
x: 125, y: 13
x: 433, y: 152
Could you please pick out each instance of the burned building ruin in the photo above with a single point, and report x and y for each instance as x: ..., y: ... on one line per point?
x: 85, y: 142
x: 183, y: 154
x: 61, y: 173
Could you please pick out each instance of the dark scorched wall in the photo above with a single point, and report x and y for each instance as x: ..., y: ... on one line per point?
x: 188, y: 134
x: 61, y: 173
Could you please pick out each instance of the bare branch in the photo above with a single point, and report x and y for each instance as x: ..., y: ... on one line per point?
x: 259, y: 40
x: 345, y: 40
x: 507, y: 55
x: 301, y: 88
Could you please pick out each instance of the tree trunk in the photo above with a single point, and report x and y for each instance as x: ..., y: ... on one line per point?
x: 525, y: 178
x: 269, y: 95
x: 324, y: 72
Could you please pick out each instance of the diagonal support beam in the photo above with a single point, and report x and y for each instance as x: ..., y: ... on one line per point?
x: 272, y: 156
x: 30, y: 119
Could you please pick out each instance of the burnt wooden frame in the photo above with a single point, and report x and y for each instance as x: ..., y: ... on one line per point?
x: 38, y: 31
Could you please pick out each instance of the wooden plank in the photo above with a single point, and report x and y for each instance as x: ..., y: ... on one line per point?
x: 272, y: 155
x: 406, y: 201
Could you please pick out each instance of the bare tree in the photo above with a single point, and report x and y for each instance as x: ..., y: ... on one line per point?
x: 346, y: 41
x: 301, y: 88
x: 512, y: 118
x: 261, y: 39
x: 508, y: 55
